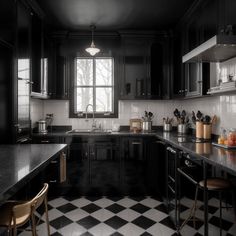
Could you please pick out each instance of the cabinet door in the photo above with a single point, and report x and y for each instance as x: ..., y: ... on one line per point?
x: 78, y: 167
x: 158, y: 81
x: 104, y: 168
x: 36, y: 52
x: 135, y: 68
x: 133, y: 166
x: 7, y: 19
x: 197, y: 78
x: 23, y: 71
x: 59, y: 79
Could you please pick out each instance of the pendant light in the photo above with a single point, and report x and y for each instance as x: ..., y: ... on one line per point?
x: 92, y: 50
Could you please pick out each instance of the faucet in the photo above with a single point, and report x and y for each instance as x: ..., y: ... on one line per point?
x: 86, y: 116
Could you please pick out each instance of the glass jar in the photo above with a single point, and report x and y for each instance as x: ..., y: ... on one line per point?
x: 231, y: 137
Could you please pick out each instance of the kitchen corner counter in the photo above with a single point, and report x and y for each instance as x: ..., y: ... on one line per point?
x: 20, y: 163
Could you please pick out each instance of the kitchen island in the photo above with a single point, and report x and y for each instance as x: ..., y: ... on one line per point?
x: 20, y: 163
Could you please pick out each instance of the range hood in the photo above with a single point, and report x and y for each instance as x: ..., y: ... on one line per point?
x: 217, y: 49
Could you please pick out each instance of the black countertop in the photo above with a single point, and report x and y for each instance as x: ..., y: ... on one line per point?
x: 223, y: 158
x: 19, y: 163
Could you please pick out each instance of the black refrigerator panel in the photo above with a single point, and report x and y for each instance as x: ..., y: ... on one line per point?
x: 22, y: 123
x: 6, y: 69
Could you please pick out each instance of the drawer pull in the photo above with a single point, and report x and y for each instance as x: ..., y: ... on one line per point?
x: 44, y: 141
x: 136, y: 143
x: 54, y: 162
x: 53, y: 181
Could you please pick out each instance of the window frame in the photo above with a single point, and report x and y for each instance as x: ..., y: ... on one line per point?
x: 72, y: 113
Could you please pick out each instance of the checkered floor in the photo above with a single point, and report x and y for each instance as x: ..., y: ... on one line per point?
x: 128, y: 216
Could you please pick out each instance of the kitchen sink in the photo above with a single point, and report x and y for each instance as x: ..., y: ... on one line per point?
x: 92, y: 131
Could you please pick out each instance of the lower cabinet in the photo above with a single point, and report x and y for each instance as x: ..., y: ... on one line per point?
x: 94, y: 165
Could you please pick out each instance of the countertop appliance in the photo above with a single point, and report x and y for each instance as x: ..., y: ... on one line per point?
x: 42, y: 126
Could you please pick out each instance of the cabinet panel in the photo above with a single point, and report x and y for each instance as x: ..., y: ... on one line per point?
x: 135, y: 53
x: 133, y: 166
x: 8, y: 21
x: 36, y: 53
x: 59, y: 77
x: 105, y: 168
x: 23, y: 71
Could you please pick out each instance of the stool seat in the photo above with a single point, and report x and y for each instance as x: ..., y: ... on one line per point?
x: 216, y: 184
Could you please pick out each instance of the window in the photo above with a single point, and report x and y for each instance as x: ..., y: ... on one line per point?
x: 94, y: 84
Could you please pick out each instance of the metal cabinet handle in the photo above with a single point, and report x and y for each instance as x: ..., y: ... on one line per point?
x: 29, y: 82
x: 54, y: 162
x: 44, y: 141
x: 53, y: 181
x: 136, y: 143
x: 170, y: 149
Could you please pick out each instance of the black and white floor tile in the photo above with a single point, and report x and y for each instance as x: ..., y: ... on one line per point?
x: 127, y: 216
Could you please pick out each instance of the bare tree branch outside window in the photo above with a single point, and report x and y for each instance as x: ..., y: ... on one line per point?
x: 94, y: 84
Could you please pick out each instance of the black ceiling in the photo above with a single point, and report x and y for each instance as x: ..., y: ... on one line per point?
x: 114, y: 14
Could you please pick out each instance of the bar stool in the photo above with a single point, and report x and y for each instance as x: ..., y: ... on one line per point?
x: 219, y: 185
x: 14, y: 214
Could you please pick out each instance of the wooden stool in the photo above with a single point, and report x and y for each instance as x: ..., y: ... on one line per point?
x: 212, y: 184
x: 14, y: 214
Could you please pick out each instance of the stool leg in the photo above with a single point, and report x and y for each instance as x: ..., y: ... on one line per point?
x: 220, y: 195
x: 46, y: 215
x: 195, y: 208
x: 192, y: 210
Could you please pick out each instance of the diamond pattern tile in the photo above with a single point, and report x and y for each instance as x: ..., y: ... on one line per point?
x: 115, y: 208
x: 60, y: 222
x: 140, y: 208
x: 91, y: 208
x: 127, y: 216
x: 88, y: 222
x: 116, y: 222
x: 66, y: 208
x: 143, y: 222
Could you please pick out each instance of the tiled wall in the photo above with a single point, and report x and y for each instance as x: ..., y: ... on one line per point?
x: 223, y: 106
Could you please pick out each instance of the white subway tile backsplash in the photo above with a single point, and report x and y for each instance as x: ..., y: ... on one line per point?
x: 222, y: 106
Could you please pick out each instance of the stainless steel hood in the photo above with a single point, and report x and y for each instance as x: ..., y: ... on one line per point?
x: 217, y: 49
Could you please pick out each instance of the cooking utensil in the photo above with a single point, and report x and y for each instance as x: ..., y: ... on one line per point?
x: 214, y: 120
x: 194, y: 117
x: 199, y: 115
x: 207, y: 119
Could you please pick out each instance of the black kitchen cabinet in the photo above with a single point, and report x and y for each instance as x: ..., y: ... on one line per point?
x: 36, y: 52
x: 94, y: 165
x: 105, y: 168
x: 59, y: 78
x: 156, y: 167
x: 24, y: 62
x: 133, y: 166
x: 8, y: 21
x: 7, y: 128
x: 135, y: 67
x: 146, y: 67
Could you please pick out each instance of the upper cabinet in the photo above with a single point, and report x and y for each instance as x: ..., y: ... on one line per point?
x: 145, y: 67
x: 58, y: 82
x: 39, y: 55
x: 8, y: 21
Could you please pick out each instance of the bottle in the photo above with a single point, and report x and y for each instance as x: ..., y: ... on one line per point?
x: 222, y: 138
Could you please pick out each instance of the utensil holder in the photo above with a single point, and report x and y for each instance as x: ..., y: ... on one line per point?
x: 182, y: 129
x: 207, y: 128
x: 147, y: 126
x: 199, y: 130
x: 167, y: 127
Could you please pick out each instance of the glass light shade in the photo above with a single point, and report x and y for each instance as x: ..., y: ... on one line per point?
x: 92, y: 50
